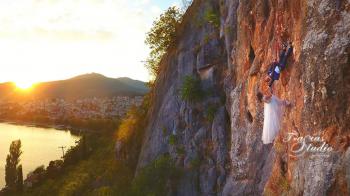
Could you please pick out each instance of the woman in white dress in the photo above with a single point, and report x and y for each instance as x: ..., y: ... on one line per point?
x: 273, y: 111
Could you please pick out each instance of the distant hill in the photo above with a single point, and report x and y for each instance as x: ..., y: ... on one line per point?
x: 83, y: 86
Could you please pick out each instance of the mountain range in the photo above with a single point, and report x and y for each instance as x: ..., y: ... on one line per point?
x: 82, y: 86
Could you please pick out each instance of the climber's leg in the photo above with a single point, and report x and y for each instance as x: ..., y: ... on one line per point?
x: 271, y: 82
x: 283, y: 59
x: 282, y: 55
x: 338, y: 4
x: 290, y: 49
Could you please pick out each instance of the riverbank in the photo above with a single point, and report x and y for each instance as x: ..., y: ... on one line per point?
x: 70, y: 122
x: 62, y: 127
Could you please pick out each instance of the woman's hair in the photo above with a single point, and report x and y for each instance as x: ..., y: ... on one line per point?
x: 260, y: 96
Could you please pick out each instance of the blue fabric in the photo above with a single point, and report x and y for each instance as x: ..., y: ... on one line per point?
x: 272, y: 71
x: 276, y: 67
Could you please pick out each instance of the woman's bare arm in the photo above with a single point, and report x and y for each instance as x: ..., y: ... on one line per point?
x: 266, y: 99
x: 284, y: 102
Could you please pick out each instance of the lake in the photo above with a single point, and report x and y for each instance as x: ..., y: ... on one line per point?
x: 39, y: 146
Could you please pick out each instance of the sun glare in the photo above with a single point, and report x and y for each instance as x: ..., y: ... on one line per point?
x: 24, y: 85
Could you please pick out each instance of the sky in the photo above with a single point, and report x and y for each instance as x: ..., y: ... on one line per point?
x: 45, y: 40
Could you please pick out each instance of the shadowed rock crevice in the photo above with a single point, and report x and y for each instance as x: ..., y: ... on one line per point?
x: 251, y: 55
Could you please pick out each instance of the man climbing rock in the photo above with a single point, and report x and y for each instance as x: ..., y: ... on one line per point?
x: 276, y: 67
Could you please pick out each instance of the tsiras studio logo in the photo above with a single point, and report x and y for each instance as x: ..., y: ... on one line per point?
x: 307, y: 144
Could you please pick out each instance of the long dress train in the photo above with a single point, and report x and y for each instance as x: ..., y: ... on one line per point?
x: 272, y: 119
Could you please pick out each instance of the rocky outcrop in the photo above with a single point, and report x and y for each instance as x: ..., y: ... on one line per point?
x: 229, y: 44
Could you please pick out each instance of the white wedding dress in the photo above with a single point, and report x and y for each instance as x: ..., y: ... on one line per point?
x: 272, y: 119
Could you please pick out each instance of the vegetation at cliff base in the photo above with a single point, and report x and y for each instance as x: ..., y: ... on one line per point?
x: 156, y: 178
x: 96, y: 173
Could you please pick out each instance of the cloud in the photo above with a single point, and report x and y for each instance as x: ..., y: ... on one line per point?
x: 176, y: 4
x: 144, y: 2
x: 72, y: 16
x: 156, y: 10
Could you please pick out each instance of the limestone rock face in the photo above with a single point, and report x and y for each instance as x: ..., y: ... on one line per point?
x: 230, y: 52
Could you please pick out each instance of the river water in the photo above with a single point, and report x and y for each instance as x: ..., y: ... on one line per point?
x: 39, y: 146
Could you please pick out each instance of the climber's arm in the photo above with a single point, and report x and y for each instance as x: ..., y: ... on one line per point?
x: 285, y: 103
x: 267, y: 98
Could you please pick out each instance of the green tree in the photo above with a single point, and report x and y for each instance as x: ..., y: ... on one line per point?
x: 12, y: 171
x: 19, y: 180
x: 161, y: 36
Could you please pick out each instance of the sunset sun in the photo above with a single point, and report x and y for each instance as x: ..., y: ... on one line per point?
x: 24, y: 85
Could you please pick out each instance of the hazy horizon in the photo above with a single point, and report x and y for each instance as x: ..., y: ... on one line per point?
x: 2, y: 82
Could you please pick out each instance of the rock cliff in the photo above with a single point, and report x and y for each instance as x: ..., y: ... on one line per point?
x: 228, y: 45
